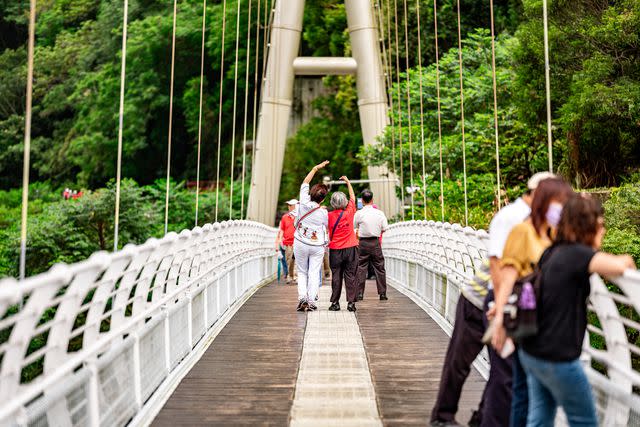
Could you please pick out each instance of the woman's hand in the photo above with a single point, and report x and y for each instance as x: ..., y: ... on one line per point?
x: 344, y: 178
x: 321, y: 165
x: 499, y: 334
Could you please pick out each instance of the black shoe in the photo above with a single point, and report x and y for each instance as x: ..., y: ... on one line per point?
x: 476, y: 419
x: 302, y: 305
x: 383, y: 297
x: 360, y: 296
x: 335, y: 306
x: 351, y: 306
x: 311, y: 306
x: 440, y: 423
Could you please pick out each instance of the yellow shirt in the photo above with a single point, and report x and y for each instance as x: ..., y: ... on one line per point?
x: 524, y: 248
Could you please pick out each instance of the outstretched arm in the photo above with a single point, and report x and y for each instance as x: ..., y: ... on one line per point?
x: 352, y: 194
x: 313, y: 171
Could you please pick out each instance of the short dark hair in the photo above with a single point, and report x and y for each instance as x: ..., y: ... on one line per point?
x: 548, y: 190
x: 579, y: 221
x: 367, y: 196
x: 318, y: 192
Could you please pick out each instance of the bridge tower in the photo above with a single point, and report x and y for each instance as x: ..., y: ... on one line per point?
x: 283, y: 64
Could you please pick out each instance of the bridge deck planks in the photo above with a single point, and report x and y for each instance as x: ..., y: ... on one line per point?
x: 248, y: 375
x: 406, y: 350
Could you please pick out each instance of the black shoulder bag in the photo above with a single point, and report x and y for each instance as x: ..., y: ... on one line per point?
x: 521, y: 311
x: 333, y: 231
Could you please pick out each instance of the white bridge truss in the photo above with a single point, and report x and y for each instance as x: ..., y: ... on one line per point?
x: 428, y: 261
x: 105, y: 341
x: 108, y: 339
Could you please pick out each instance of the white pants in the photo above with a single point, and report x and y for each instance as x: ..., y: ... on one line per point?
x: 309, y: 266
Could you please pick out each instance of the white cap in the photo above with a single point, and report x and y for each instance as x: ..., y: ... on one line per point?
x: 292, y: 202
x: 537, y: 178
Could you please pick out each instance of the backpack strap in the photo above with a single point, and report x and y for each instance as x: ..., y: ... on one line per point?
x: 306, y: 215
x: 336, y: 224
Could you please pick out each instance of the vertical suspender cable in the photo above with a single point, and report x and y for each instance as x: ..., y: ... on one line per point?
x: 256, y: 82
x: 390, y: 193
x: 246, y: 110
x: 409, y: 123
x: 495, y: 104
x: 27, y: 141
x: 464, y: 143
x: 400, y: 136
x: 173, y: 63
x: 435, y: 23
x: 224, y: 27
x: 123, y: 69
x: 424, y: 168
x: 204, y: 30
x: 235, y: 109
x: 547, y: 79
x: 390, y: 80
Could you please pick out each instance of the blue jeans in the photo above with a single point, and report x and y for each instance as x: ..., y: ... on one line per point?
x: 520, y: 394
x: 553, y: 384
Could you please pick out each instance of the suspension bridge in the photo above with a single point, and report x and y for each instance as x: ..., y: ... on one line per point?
x: 194, y: 329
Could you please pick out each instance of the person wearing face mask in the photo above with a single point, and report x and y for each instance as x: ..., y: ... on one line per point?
x: 522, y: 250
x: 555, y: 376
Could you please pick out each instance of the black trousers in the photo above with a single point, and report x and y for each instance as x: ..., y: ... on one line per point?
x: 344, y: 265
x: 497, y: 393
x: 370, y: 250
x: 464, y: 347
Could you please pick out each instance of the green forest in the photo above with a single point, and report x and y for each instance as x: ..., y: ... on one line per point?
x: 595, y: 83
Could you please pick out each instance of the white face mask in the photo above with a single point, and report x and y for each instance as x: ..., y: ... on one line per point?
x: 554, y: 213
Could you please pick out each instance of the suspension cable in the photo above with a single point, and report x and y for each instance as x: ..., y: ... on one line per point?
x: 435, y: 22
x: 424, y: 168
x: 224, y: 27
x: 409, y: 122
x: 464, y: 143
x: 400, y: 135
x: 255, y: 87
x: 204, y: 30
x: 235, y: 109
x: 495, y: 103
x: 123, y: 69
x: 390, y: 83
x: 173, y: 63
x: 547, y: 79
x: 390, y: 191
x: 246, y: 109
x: 27, y: 141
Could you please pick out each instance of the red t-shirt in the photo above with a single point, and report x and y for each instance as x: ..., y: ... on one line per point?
x: 345, y: 236
x: 288, y: 229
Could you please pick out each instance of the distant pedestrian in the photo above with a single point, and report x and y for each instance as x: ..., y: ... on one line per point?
x: 343, y: 248
x: 371, y: 223
x: 311, y: 237
x: 66, y: 194
x: 285, y: 240
x: 551, y: 358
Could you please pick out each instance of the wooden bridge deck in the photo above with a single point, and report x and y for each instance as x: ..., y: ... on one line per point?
x: 248, y: 375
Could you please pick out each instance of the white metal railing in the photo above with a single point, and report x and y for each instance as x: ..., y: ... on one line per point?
x: 428, y: 261
x: 102, y: 342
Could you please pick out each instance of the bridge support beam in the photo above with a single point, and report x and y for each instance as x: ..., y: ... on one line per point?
x: 277, y: 95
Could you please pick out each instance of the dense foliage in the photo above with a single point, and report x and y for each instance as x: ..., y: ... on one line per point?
x: 595, y: 79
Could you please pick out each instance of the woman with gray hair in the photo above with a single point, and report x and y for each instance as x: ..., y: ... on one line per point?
x: 343, y: 248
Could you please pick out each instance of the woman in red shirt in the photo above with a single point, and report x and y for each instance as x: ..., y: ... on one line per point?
x: 343, y: 248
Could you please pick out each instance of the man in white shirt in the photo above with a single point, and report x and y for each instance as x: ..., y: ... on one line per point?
x: 370, y: 223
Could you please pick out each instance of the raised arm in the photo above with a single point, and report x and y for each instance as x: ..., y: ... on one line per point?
x: 313, y: 171
x: 352, y: 194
